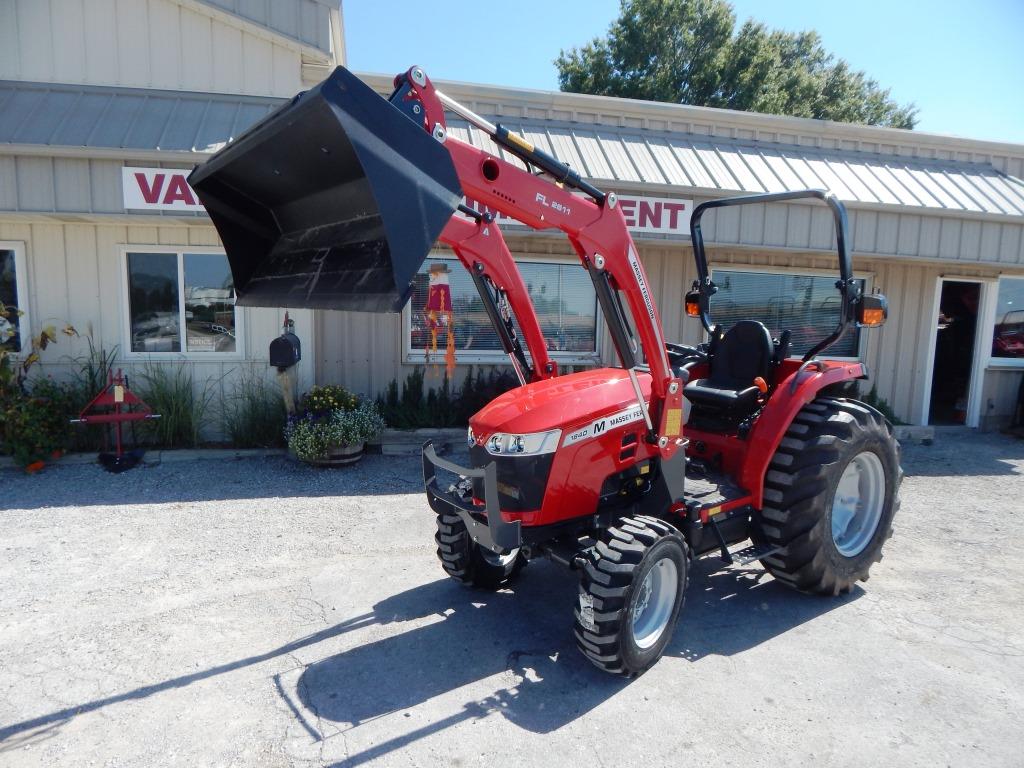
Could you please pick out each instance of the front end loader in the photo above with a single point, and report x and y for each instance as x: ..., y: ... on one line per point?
x: 335, y: 200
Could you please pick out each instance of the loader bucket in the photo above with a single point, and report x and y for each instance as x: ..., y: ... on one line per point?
x: 333, y: 201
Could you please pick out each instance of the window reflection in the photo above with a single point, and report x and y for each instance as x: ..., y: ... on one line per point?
x: 9, y: 336
x: 1008, y: 334
x: 153, y: 302
x: 209, y: 304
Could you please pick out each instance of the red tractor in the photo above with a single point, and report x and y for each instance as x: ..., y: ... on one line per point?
x: 335, y: 200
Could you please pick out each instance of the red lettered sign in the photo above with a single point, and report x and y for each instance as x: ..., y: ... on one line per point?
x: 158, y: 189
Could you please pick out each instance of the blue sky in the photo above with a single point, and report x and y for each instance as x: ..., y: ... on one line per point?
x: 962, y: 63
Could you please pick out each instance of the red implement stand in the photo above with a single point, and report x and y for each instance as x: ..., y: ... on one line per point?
x: 119, y: 400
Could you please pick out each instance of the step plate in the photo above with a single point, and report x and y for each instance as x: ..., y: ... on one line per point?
x: 754, y: 552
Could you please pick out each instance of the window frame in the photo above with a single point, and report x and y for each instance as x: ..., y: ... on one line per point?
x: 412, y: 356
x: 990, y: 317
x: 21, y: 286
x: 867, y: 277
x: 126, y: 310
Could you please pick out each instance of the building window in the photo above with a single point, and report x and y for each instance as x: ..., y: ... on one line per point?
x: 805, y: 305
x: 1008, y: 334
x: 180, y: 301
x: 10, y: 322
x: 562, y: 295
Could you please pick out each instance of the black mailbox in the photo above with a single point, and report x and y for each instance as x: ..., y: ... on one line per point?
x: 285, y: 351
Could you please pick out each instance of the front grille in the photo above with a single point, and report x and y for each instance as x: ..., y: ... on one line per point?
x: 521, y: 479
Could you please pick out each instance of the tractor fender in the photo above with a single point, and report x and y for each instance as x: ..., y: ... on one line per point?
x: 791, y: 395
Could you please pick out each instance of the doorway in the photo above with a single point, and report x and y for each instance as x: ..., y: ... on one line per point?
x: 955, y: 338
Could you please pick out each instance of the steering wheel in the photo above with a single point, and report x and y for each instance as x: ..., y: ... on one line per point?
x: 681, y: 354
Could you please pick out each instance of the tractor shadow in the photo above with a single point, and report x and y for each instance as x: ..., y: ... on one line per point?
x: 525, y: 638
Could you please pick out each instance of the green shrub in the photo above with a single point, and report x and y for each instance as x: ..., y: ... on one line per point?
x: 415, y: 408
x: 253, y: 414
x: 881, y: 405
x: 171, y: 393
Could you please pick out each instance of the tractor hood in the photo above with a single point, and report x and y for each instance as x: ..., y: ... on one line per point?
x: 565, y: 403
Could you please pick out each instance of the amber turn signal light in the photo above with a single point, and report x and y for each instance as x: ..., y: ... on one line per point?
x: 692, y: 304
x: 872, y: 310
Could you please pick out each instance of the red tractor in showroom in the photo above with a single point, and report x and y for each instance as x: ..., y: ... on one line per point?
x: 335, y: 200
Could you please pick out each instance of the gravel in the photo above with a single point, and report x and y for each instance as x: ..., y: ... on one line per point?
x: 259, y: 612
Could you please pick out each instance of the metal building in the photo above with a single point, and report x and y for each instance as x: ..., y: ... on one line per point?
x: 102, y: 120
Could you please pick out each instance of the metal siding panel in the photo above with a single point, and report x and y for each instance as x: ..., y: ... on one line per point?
x: 643, y: 160
x: 949, y: 238
x: 963, y: 182
x: 910, y: 234
x: 727, y: 222
x: 984, y: 182
x: 71, y: 184
x: 34, y: 25
x: 928, y: 240
x: 284, y: 17
x: 82, y: 277
x: 120, y: 115
x: 860, y: 191
x: 776, y: 219
x: 35, y: 183
x: 82, y: 121
x: 716, y: 168
x: 50, y: 287
x: 864, y: 229
x: 910, y: 183
x: 48, y: 111
x: 832, y: 182
x: 101, y: 42
x: 1009, y: 189
x: 180, y: 130
x: 165, y: 59
x: 823, y: 234
x: 888, y: 230
x: 10, y: 53
x: 774, y: 160
x: 69, y: 43
x: 287, y: 72
x: 970, y: 240
x: 197, y: 41
x: 903, y: 195
x: 133, y: 51
x: 988, y: 249
x: 752, y: 224
x: 216, y: 126
x: 20, y: 110
x: 798, y: 227
x: 227, y: 62
x: 618, y: 158
x: 105, y: 186
x: 593, y: 158
x: 8, y: 184
x: 877, y: 187
x: 922, y: 177
x: 734, y: 162
x: 765, y: 175
x: 667, y: 162
x: 1009, y: 244
x: 965, y: 201
x: 690, y: 161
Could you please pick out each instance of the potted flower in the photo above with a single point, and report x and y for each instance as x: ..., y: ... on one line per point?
x: 331, y: 426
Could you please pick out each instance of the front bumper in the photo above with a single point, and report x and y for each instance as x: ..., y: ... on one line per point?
x: 485, y: 524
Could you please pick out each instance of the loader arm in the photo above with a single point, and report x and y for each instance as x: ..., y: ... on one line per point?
x: 595, y: 227
x: 482, y: 250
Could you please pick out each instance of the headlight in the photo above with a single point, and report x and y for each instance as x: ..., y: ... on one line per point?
x: 470, y: 437
x: 533, y: 444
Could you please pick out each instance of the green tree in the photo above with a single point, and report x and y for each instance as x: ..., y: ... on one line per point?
x: 690, y: 52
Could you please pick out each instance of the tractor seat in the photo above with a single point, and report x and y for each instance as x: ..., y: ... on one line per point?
x: 744, y: 353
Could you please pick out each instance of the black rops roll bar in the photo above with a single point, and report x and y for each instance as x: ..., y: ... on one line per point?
x: 847, y: 286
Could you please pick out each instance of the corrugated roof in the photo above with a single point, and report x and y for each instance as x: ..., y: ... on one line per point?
x: 99, y: 117
x: 611, y: 155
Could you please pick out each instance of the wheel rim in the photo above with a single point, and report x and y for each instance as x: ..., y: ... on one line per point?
x: 857, y: 505
x: 654, y: 602
x: 499, y: 561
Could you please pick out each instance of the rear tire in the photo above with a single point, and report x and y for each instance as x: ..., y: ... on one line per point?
x: 831, y: 492
x: 466, y: 561
x: 631, y: 591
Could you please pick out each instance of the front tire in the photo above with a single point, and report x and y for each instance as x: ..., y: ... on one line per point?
x: 631, y: 591
x: 831, y: 492
x: 466, y: 561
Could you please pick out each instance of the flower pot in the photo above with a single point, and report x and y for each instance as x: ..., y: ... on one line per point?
x: 341, y: 455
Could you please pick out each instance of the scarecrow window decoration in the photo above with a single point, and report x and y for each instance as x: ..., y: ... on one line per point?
x: 439, y: 314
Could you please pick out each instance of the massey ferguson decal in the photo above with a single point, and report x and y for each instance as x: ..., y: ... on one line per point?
x: 644, y: 215
x: 602, y: 425
x: 158, y: 189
